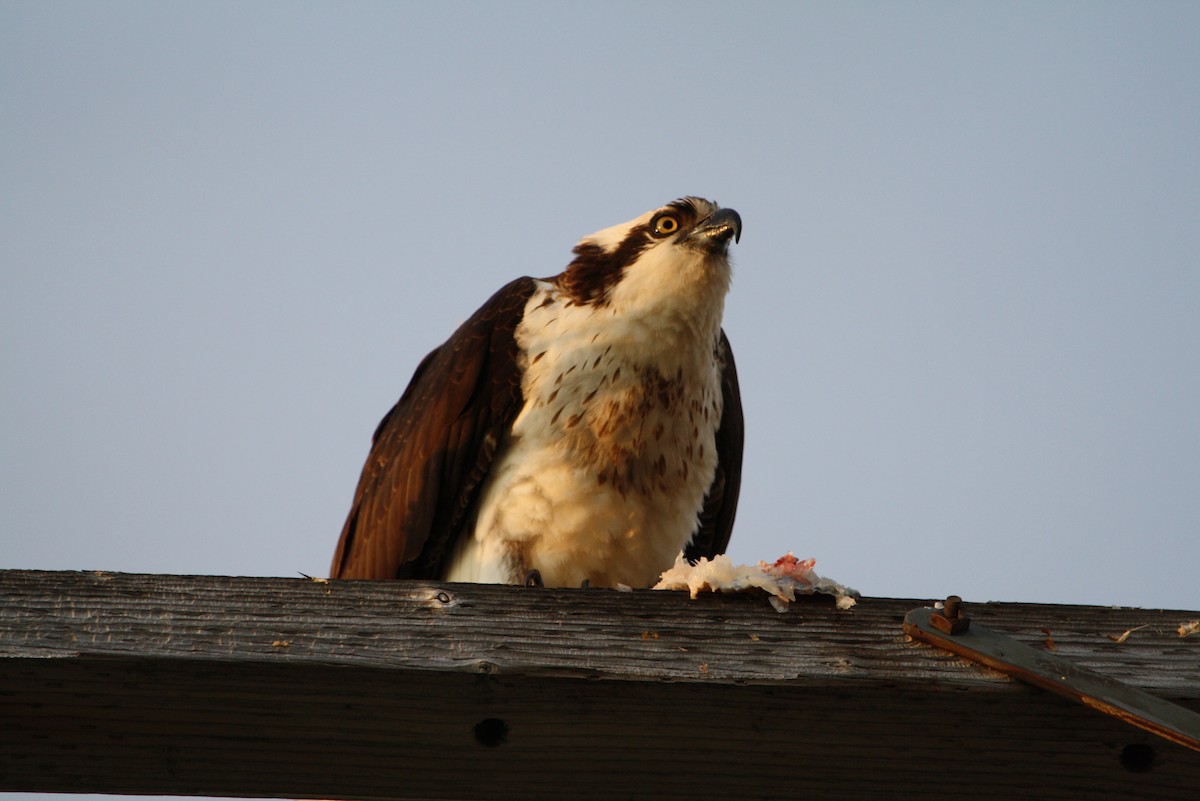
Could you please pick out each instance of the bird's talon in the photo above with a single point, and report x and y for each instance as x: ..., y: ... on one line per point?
x: 533, y: 579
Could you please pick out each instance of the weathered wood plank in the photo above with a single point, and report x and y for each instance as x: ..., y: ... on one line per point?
x: 289, y: 688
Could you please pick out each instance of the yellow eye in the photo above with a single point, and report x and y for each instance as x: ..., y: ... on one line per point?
x: 664, y: 225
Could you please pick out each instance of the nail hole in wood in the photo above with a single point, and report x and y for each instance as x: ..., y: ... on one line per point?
x: 491, y: 732
x: 1137, y: 757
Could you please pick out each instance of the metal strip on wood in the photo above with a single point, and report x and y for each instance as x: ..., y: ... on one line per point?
x: 952, y: 630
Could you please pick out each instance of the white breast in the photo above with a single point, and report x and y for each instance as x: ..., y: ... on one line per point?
x: 608, y: 463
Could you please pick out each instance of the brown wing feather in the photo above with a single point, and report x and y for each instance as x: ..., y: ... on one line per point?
x: 432, y: 450
x: 720, y: 504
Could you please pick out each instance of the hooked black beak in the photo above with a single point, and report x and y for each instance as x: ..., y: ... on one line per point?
x: 717, y: 229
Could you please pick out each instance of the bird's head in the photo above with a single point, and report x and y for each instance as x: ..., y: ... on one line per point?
x: 674, y: 257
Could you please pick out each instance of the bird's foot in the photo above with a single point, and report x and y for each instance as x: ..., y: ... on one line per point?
x: 533, y: 579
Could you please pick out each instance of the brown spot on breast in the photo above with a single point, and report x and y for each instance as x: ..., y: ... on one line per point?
x: 554, y: 419
x: 591, y: 395
x: 574, y: 421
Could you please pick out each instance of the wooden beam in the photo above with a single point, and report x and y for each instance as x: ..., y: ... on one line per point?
x: 188, y: 685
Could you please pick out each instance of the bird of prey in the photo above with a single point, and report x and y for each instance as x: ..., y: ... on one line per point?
x: 586, y: 426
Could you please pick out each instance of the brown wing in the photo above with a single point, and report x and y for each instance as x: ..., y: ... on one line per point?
x: 720, y: 504
x: 432, y: 450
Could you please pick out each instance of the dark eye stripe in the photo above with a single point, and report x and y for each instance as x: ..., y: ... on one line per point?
x: 594, y: 271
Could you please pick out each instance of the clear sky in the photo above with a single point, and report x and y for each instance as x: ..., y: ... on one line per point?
x: 966, y: 306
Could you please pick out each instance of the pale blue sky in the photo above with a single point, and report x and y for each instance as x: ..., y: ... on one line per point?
x: 966, y: 306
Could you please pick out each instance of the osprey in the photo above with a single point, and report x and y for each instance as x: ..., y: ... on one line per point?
x: 587, y: 426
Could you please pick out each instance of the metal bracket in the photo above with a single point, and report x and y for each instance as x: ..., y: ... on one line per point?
x: 951, y: 629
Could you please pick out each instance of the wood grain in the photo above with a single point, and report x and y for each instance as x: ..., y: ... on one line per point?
x: 412, y: 689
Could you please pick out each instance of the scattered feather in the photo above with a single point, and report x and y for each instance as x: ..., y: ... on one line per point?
x: 1121, y: 638
x: 1189, y: 628
x: 1049, y: 641
x: 782, y: 580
